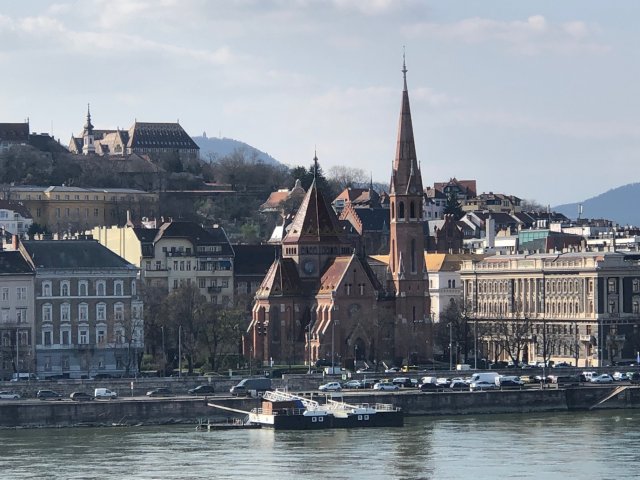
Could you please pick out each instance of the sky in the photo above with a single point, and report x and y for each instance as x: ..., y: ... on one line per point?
x: 537, y: 99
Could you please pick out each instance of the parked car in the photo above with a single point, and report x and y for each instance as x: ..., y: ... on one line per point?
x: 443, y: 382
x: 430, y: 387
x: 368, y: 383
x: 201, y: 390
x: 353, y: 384
x: 393, y: 370
x: 48, y: 395
x: 9, y: 396
x: 566, y: 379
x: 385, y: 386
x: 634, y: 377
x: 482, y: 385
x: 405, y: 382
x: 561, y: 365
x: 604, y: 378
x: 458, y: 384
x: 80, y: 397
x: 159, y: 392
x: 510, y: 381
x: 104, y: 393
x: 330, y: 387
x: 620, y: 376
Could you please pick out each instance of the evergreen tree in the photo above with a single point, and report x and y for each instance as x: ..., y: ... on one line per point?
x: 453, y: 206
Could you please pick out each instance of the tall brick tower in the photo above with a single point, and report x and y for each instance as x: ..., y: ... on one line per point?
x: 406, y: 257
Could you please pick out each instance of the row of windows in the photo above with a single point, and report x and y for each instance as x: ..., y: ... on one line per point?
x: 20, y: 316
x: 83, y: 336
x: 83, y: 312
x: 401, y: 210
x: 20, y: 293
x: 100, y: 288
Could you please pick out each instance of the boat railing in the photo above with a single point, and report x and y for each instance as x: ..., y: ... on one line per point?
x: 282, y: 396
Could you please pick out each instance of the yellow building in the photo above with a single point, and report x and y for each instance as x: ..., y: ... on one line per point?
x: 72, y: 209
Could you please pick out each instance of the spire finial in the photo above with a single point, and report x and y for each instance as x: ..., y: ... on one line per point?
x: 404, y: 67
x: 315, y: 162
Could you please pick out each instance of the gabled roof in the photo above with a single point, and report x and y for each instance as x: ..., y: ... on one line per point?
x: 13, y: 263
x: 196, y: 234
x: 337, y: 268
x: 282, y: 279
x: 315, y: 221
x: 468, y: 187
x: 73, y: 254
x: 145, y: 235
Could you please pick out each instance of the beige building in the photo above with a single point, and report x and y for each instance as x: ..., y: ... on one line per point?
x: 17, y: 321
x: 75, y: 209
x: 175, y: 254
x: 582, y: 308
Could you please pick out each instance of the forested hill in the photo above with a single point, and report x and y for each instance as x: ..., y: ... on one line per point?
x: 215, y: 148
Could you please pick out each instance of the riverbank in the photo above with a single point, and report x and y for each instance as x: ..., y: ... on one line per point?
x: 189, y: 410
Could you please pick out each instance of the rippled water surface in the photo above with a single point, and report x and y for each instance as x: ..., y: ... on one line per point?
x: 586, y: 445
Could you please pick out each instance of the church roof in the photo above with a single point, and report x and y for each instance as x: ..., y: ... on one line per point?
x: 315, y: 221
x: 282, y: 279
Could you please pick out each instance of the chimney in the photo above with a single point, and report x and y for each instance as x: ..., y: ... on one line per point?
x: 15, y: 242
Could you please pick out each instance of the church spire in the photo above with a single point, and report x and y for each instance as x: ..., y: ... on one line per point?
x: 406, y: 177
x: 88, y: 145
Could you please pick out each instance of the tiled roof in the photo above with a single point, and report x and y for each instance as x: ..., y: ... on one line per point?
x: 160, y: 135
x: 73, y: 254
x: 315, y: 221
x: 14, y: 132
x: 375, y: 219
x: 197, y: 234
x: 282, y: 279
x: 12, y: 263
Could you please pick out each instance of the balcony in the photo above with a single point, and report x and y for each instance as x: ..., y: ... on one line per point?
x: 215, y: 289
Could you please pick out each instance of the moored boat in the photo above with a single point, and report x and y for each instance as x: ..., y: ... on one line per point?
x: 282, y: 410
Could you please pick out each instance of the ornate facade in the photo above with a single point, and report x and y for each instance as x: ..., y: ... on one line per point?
x: 581, y: 308
x: 320, y: 300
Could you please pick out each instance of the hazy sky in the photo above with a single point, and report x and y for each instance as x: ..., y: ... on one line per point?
x: 533, y: 98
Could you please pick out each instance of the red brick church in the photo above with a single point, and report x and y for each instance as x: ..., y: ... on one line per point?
x: 320, y: 300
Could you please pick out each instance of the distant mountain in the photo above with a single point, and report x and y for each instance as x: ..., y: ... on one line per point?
x: 220, y: 147
x: 618, y: 204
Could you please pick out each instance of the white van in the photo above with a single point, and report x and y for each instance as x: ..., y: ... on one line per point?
x: 489, y: 377
x: 104, y: 393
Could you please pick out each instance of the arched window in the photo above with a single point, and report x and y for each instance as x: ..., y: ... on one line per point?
x: 100, y: 288
x: 64, y: 289
x: 82, y: 288
x: 412, y: 210
x: 46, y: 289
x: 393, y: 210
x: 401, y: 210
x: 117, y: 288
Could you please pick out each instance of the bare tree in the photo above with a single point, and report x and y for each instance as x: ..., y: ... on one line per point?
x: 347, y: 177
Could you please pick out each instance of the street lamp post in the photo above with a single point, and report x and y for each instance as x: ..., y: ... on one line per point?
x: 475, y: 344
x: 355, y: 357
x: 180, y: 351
x: 309, y: 346
x: 164, y: 355
x: 450, y: 346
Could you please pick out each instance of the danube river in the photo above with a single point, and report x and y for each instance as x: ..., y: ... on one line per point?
x: 590, y: 445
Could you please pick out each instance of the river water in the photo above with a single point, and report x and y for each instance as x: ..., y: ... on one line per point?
x: 584, y: 445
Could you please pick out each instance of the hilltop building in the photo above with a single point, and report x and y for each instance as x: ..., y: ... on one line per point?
x: 142, y: 138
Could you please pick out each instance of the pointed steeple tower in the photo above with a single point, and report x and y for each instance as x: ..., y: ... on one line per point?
x: 406, y: 256
x: 314, y: 234
x: 88, y: 146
